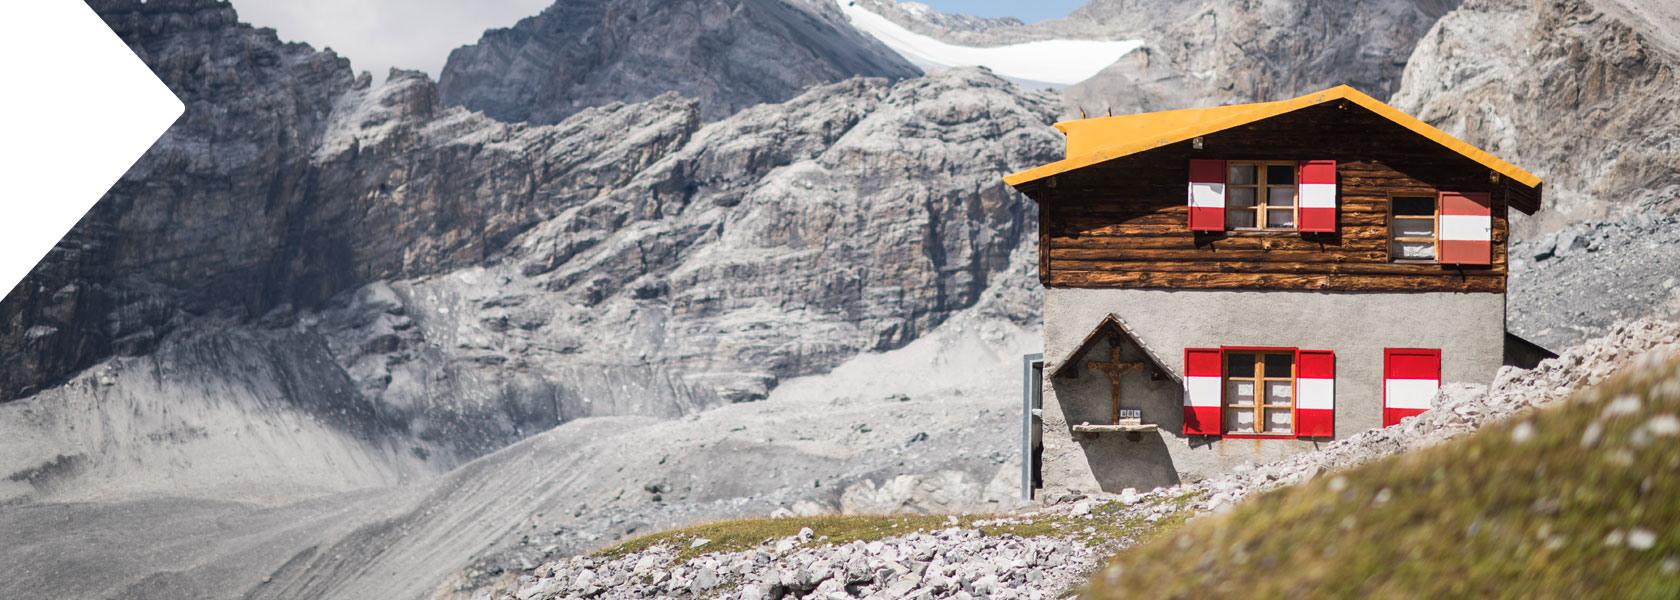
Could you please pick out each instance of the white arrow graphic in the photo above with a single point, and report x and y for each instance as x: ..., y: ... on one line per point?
x: 77, y: 108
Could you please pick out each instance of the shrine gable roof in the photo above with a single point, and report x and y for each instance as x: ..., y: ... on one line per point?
x: 1111, y: 326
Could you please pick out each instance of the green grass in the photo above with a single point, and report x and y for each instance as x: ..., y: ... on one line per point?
x: 746, y: 534
x: 735, y: 536
x: 1487, y: 516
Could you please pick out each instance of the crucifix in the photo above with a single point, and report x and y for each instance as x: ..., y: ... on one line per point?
x: 1115, y: 369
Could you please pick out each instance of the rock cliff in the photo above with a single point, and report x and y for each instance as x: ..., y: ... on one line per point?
x: 1212, y: 53
x: 1207, y: 53
x: 466, y: 282
x: 728, y: 54
x: 1583, y: 94
x: 316, y: 296
x: 234, y: 167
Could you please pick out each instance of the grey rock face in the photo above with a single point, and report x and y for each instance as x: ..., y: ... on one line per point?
x: 1206, y: 53
x: 1212, y: 53
x: 226, y: 170
x: 477, y: 281
x: 951, y: 27
x: 1581, y: 93
x: 728, y: 54
x: 322, y: 286
x: 1578, y: 281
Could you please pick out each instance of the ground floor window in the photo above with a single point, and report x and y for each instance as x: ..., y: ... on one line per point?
x: 1259, y: 394
x: 1411, y: 376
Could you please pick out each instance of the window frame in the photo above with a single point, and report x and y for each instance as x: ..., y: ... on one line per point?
x: 1434, y: 237
x: 1259, y: 405
x: 1261, y: 187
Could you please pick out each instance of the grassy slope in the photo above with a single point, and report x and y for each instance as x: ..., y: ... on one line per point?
x: 1104, y: 525
x: 1530, y: 508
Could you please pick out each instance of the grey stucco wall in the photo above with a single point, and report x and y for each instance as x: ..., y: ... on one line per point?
x: 1469, y: 330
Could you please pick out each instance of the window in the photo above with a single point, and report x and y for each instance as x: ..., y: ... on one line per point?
x: 1411, y: 376
x: 1249, y: 392
x: 1412, y: 228
x: 1259, y: 392
x: 1261, y: 195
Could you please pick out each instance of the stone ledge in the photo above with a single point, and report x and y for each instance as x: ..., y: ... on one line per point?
x: 1113, y: 428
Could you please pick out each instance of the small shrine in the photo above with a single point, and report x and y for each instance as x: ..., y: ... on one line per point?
x: 1127, y: 358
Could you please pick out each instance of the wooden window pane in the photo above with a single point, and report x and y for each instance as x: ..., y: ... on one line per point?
x: 1240, y: 196
x: 1414, y: 227
x: 1239, y: 218
x: 1239, y: 392
x: 1413, y: 250
x: 1280, y: 196
x: 1280, y: 217
x: 1239, y: 364
x: 1241, y: 174
x: 1280, y: 365
x: 1280, y: 420
x: 1239, y: 420
x: 1414, y: 206
x: 1280, y: 174
x: 1280, y: 392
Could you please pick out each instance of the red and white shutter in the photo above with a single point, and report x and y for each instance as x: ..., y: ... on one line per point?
x: 1207, y: 195
x: 1317, y: 203
x: 1315, y: 393
x: 1203, y: 391
x: 1466, y: 229
x: 1411, y: 377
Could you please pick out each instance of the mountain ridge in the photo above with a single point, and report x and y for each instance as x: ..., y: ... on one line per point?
x: 728, y: 54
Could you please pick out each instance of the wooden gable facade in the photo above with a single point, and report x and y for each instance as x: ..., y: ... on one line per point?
x: 1125, y: 221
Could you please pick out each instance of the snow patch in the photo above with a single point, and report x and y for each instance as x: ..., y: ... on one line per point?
x: 1047, y: 63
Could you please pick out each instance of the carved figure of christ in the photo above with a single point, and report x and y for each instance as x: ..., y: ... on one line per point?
x: 1115, y: 369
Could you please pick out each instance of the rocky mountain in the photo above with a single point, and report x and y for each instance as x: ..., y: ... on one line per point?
x: 1212, y: 53
x: 728, y: 54
x: 1581, y: 91
x: 117, y: 282
x: 1583, y: 94
x: 954, y: 28
x: 1207, y: 53
x: 542, y: 272
x: 314, y: 288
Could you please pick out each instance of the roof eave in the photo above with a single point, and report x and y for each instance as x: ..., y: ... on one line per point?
x: 1268, y: 110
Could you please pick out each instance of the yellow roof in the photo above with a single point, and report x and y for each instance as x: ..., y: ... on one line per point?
x: 1091, y: 141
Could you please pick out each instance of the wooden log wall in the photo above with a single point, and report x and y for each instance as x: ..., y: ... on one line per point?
x: 1124, y: 223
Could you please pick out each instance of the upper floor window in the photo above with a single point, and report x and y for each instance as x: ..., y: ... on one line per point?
x: 1261, y: 195
x: 1413, y: 226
